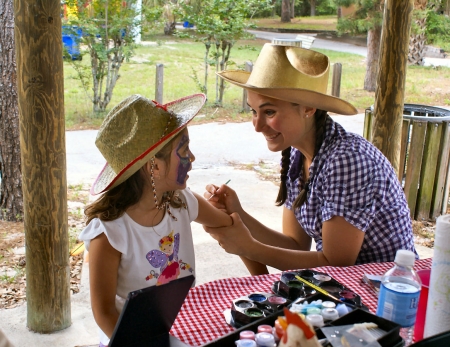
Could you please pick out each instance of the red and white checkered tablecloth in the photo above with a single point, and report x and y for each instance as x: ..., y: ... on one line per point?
x: 201, y: 318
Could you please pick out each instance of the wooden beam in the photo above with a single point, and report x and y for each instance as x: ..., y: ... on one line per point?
x: 40, y: 86
x: 389, y: 94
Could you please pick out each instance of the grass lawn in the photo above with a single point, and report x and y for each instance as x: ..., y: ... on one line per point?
x: 184, y: 59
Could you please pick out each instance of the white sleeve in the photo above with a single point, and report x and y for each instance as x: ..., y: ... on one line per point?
x: 191, y: 203
x: 114, y: 231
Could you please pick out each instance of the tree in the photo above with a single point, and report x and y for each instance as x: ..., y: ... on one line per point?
x: 285, y: 11
x: 106, y: 29
x: 219, y: 24
x: 11, y: 198
x: 366, y: 19
x: 417, y: 38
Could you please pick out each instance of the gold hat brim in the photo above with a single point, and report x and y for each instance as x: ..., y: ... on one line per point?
x: 296, y: 95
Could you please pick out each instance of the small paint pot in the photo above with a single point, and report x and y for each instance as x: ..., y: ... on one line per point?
x: 295, y: 284
x: 265, y: 328
x: 278, y: 300
x: 264, y: 340
x: 347, y: 295
x: 322, y: 278
x: 330, y: 314
x: 246, y: 343
x: 254, y: 312
x: 243, y: 304
x: 328, y: 304
x: 246, y: 335
x: 312, y: 310
x: 316, y: 320
x: 257, y: 297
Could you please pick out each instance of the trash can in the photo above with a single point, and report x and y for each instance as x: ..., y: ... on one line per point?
x: 71, y: 37
x: 424, y: 158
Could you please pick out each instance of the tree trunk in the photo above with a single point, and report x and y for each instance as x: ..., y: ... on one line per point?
x: 417, y: 41
x: 390, y: 92
x: 313, y: 8
x: 373, y: 56
x: 273, y: 8
x: 293, y: 9
x: 285, y: 11
x: 40, y: 88
x: 11, y: 200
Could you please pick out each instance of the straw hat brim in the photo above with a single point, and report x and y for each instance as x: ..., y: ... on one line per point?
x: 108, y: 179
x: 296, y: 95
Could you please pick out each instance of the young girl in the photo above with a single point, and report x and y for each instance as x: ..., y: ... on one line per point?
x: 138, y: 231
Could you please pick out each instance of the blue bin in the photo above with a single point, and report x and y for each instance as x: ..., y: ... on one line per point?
x: 71, y: 40
x: 186, y: 24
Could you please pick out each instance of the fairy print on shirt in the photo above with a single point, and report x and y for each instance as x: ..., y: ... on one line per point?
x: 166, y: 259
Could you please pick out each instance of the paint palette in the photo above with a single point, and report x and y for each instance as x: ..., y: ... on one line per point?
x: 254, y: 306
x: 291, y: 288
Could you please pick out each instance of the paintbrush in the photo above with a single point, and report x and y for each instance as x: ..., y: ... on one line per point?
x: 320, y: 290
x: 215, y: 193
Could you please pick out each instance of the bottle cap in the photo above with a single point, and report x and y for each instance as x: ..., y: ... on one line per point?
x: 404, y: 257
x: 265, y: 340
x: 328, y: 304
x: 247, y: 335
x: 245, y: 343
x: 316, y: 320
x: 264, y: 328
x: 330, y: 314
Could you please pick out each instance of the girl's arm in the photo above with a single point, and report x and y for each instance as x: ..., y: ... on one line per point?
x: 103, y: 267
x: 210, y: 216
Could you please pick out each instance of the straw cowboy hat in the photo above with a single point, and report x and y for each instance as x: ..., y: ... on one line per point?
x: 292, y: 74
x: 135, y: 130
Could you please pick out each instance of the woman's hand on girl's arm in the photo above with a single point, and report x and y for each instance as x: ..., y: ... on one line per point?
x: 223, y: 197
x: 103, y: 268
x: 210, y: 216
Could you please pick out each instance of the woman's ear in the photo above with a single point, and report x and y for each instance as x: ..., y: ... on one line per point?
x: 309, y: 111
x: 156, y: 168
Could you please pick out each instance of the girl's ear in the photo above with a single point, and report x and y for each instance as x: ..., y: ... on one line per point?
x: 156, y: 168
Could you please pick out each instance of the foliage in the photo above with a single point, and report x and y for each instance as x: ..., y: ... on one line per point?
x: 106, y: 28
x: 368, y: 15
x: 438, y: 30
x: 219, y: 24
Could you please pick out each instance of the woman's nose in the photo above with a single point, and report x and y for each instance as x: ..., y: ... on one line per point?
x: 258, y: 123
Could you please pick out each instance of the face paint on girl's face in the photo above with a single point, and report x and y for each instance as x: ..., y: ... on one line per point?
x: 184, y: 154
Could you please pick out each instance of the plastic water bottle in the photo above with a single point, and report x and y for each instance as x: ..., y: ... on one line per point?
x: 399, y: 294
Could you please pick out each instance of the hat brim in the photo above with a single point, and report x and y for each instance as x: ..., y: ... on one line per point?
x: 108, y: 179
x: 296, y: 95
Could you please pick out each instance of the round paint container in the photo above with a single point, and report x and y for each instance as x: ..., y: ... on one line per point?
x: 330, y: 314
x: 312, y: 310
x: 322, y: 278
x: 328, y: 304
x: 254, y: 312
x: 257, y: 297
x: 246, y: 335
x: 246, y: 343
x: 347, y: 295
x: 264, y: 328
x: 316, y: 320
x: 295, y: 284
x: 264, y: 340
x: 278, y: 300
x: 243, y: 304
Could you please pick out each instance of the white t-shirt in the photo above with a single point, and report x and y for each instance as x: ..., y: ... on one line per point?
x: 150, y: 255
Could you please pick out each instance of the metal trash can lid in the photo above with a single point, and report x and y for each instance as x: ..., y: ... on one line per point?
x: 426, y: 113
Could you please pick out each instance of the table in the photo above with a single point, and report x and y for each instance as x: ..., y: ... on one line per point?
x: 201, y: 318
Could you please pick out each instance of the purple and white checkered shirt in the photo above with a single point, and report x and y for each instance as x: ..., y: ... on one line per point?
x: 351, y: 178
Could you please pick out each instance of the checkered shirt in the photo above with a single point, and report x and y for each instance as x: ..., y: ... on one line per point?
x: 351, y: 178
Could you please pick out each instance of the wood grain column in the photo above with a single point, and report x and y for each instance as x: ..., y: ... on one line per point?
x: 390, y: 91
x: 40, y: 89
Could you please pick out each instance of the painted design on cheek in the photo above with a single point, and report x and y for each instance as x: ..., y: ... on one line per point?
x: 185, y: 163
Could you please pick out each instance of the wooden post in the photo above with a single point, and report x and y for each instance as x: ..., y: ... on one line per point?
x: 40, y: 87
x: 249, y: 68
x: 159, y: 83
x: 390, y: 91
x: 336, y: 82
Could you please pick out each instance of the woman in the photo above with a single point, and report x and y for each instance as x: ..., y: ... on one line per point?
x: 336, y: 187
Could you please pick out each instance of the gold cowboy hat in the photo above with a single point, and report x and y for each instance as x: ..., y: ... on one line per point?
x: 135, y: 130
x: 292, y: 74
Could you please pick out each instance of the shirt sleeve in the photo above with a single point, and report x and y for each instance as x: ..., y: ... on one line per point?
x: 191, y: 203
x: 114, y: 231
x: 350, y: 190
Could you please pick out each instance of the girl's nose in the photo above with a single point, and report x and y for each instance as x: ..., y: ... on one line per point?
x: 191, y: 157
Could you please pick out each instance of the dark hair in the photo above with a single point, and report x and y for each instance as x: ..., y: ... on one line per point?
x: 320, y: 118
x: 114, y: 202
